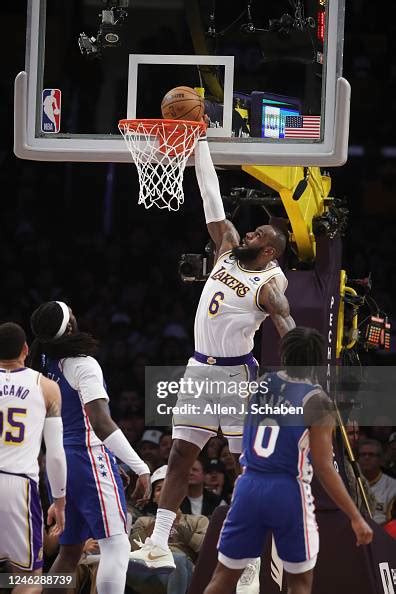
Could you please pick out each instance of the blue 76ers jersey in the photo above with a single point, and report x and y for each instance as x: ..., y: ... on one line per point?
x: 273, y: 442
x: 95, y: 505
x: 80, y: 380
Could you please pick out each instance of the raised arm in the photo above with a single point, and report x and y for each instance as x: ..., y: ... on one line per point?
x: 224, y: 235
x: 277, y: 306
x: 222, y: 232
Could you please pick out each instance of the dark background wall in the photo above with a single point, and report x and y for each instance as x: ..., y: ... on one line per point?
x: 118, y: 267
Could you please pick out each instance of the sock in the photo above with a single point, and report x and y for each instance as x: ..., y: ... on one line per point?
x: 113, y: 564
x: 163, y: 524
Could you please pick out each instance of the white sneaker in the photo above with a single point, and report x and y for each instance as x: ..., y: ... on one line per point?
x: 249, y: 582
x: 153, y: 556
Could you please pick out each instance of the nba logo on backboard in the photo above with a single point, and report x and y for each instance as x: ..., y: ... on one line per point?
x: 51, y: 111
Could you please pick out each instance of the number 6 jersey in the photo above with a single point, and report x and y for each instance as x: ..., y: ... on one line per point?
x: 22, y: 416
x: 229, y: 313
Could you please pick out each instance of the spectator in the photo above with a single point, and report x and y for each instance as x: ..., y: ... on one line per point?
x: 383, y: 487
x: 353, y: 433
x: 87, y: 568
x: 215, y: 476
x: 199, y: 501
x: 185, y: 540
x: 149, y: 448
x: 165, y: 445
x: 230, y: 464
x: 217, y: 481
x: 390, y: 456
x: 227, y: 458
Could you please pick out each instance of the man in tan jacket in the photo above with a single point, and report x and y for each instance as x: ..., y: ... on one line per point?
x: 187, y: 534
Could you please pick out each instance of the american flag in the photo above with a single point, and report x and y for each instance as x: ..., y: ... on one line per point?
x: 303, y: 126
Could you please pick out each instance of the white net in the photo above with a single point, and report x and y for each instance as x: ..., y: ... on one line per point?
x: 160, y: 149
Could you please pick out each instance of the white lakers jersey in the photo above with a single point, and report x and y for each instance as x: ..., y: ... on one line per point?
x: 229, y: 313
x: 22, y: 416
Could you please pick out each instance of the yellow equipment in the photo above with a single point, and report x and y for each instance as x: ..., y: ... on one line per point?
x: 314, y: 188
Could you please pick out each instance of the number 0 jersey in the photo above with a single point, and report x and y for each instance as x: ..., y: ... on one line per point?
x: 229, y: 313
x: 278, y: 443
x: 22, y: 416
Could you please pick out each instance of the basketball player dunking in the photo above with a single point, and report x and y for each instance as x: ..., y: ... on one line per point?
x: 30, y: 407
x: 245, y: 286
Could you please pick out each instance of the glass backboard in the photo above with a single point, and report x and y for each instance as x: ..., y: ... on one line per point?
x: 270, y: 73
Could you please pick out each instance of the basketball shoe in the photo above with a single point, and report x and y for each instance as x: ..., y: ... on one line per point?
x: 153, y: 556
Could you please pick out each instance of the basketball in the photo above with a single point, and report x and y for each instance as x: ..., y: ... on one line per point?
x: 182, y: 103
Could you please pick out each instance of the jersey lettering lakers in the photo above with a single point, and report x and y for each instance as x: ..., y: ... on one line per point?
x: 229, y: 313
x: 22, y: 416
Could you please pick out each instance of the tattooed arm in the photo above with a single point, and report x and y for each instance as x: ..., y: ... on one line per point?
x: 224, y: 235
x: 277, y: 306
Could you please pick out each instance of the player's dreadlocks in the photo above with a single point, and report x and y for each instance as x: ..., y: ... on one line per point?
x: 45, y: 323
x: 302, y: 352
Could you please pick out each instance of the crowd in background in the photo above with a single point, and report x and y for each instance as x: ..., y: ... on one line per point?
x: 210, y: 484
x: 117, y: 265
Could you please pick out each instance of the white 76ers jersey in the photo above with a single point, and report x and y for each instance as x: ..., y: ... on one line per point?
x: 229, y: 313
x: 22, y: 416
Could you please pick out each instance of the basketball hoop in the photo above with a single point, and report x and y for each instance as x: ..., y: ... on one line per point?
x: 160, y: 149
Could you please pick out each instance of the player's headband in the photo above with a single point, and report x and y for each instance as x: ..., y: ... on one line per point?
x: 65, y: 319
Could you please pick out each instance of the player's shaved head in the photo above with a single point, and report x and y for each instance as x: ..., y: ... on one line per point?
x: 12, y: 341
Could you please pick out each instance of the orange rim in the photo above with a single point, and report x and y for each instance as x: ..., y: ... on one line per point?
x: 150, y: 124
